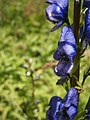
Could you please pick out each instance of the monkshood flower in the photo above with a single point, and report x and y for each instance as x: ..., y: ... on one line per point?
x: 57, y: 12
x: 87, y: 27
x: 63, y: 109
x: 54, y: 107
x: 86, y: 3
x: 65, y: 52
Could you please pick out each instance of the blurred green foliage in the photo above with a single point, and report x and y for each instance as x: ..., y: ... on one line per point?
x: 27, y: 81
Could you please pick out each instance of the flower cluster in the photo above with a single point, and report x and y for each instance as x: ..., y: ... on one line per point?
x: 63, y: 109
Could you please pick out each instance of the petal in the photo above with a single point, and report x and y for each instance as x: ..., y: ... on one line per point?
x: 62, y: 114
x: 70, y: 51
x: 54, y: 13
x: 87, y: 26
x: 48, y: 114
x: 87, y: 32
x: 71, y: 98
x: 63, y: 68
x: 57, y: 12
x: 58, y: 53
x: 54, y: 100
x: 89, y: 113
x: 71, y: 102
x: 57, y: 26
x: 51, y: 114
x: 86, y: 3
x: 72, y: 112
x: 61, y: 3
x: 87, y: 17
x: 67, y: 37
x: 63, y: 32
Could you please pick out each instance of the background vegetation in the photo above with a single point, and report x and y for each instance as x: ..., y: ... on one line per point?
x: 27, y: 81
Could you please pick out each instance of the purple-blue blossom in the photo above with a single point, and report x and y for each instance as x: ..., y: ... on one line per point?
x: 57, y: 12
x: 65, y: 52
x: 54, y: 105
x: 87, y: 27
x: 63, y: 109
x: 86, y: 3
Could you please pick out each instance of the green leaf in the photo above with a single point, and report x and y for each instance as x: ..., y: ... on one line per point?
x: 81, y: 115
x: 85, y: 75
x: 88, y: 104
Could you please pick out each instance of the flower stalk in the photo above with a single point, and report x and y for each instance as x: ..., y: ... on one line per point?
x: 77, y: 9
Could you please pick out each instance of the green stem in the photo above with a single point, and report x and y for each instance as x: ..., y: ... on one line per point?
x: 77, y: 9
x: 33, y: 87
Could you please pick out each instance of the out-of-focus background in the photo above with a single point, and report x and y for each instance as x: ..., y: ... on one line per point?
x: 27, y: 80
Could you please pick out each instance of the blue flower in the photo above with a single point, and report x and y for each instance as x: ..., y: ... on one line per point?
x: 65, y: 52
x: 88, y: 113
x: 63, y: 109
x: 54, y: 105
x: 87, y: 27
x: 86, y: 3
x: 57, y: 12
x: 71, y: 102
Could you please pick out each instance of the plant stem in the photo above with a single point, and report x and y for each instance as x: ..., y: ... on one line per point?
x: 33, y: 87
x: 77, y: 8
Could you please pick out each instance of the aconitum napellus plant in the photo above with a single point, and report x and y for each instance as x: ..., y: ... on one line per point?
x: 74, y: 40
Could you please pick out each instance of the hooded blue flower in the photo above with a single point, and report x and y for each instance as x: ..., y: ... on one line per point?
x: 65, y: 52
x: 87, y: 27
x: 86, y: 3
x: 57, y: 12
x: 54, y: 106
x: 71, y: 102
x: 63, y: 109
